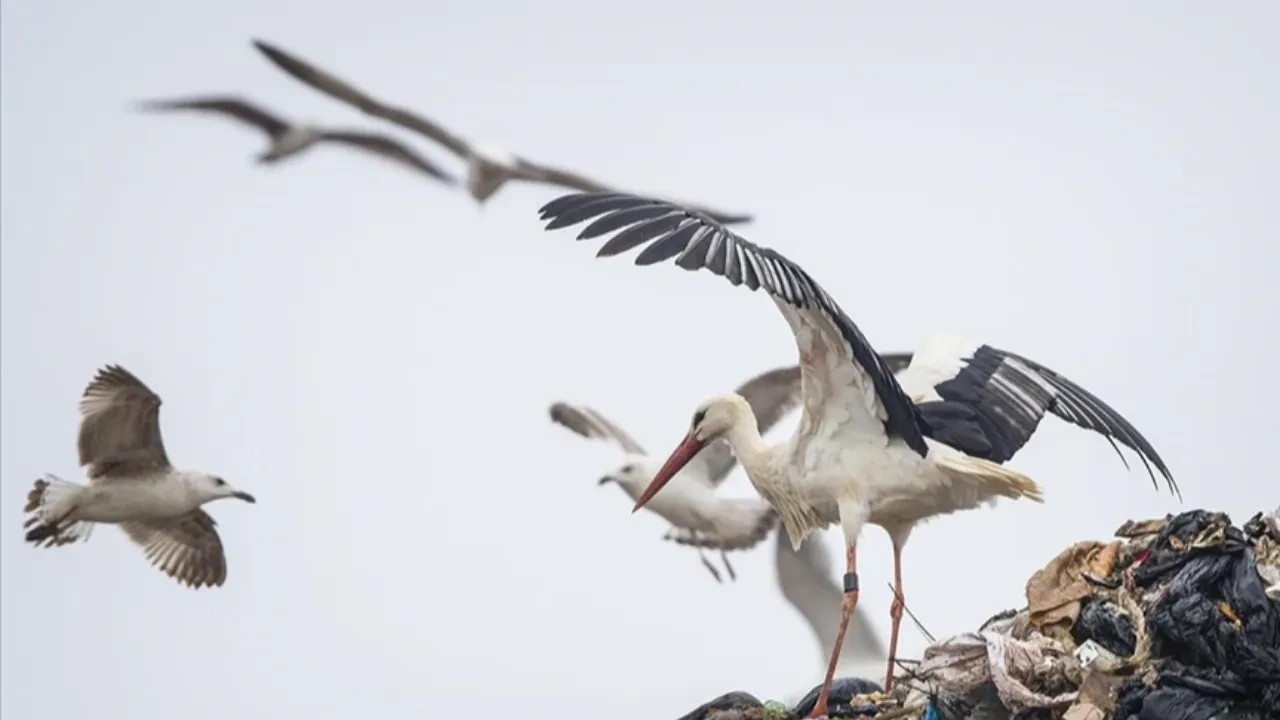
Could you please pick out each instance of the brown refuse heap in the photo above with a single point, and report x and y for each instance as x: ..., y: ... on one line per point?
x: 1175, y: 619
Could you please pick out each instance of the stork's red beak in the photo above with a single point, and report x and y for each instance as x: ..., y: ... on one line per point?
x: 681, y: 457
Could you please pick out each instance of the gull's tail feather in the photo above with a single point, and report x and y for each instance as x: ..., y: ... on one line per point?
x: 986, y: 479
x: 48, y: 504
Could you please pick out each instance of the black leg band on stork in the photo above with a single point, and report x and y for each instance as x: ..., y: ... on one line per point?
x: 851, y: 582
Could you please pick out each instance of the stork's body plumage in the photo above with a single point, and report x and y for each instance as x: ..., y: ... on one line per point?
x: 868, y: 447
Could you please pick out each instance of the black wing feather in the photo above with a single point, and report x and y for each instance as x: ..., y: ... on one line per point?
x: 995, y: 402
x: 621, y: 219
x: 586, y: 211
x: 1105, y: 421
x: 718, y: 249
x: 639, y: 234
x: 669, y: 245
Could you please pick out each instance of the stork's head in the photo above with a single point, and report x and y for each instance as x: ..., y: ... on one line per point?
x: 717, y: 416
x: 711, y: 420
x: 211, y: 487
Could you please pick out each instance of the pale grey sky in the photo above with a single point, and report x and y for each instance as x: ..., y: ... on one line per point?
x: 372, y: 356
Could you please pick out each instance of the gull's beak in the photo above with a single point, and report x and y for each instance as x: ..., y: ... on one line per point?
x: 688, y: 447
x: 605, y: 480
x: 243, y: 496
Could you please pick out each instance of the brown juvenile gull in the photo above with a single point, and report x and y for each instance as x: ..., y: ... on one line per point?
x: 132, y: 484
x: 488, y: 167
x: 288, y: 139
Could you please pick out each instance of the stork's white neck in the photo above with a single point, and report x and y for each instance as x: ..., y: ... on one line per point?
x: 767, y: 466
x: 752, y: 452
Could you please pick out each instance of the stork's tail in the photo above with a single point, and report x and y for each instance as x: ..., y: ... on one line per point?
x: 737, y: 525
x: 990, y: 480
x: 49, y: 503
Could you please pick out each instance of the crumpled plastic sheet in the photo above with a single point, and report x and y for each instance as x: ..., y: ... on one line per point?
x: 1265, y: 532
x: 1111, y: 634
x: 1105, y: 626
x: 1175, y: 623
x: 1186, y: 694
x: 1212, y: 623
x: 964, y: 663
x: 1180, y: 620
x: 1095, y: 699
x: 1203, y: 627
x: 1055, y: 593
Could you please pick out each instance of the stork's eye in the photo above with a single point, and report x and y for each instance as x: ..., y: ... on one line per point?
x: 698, y: 417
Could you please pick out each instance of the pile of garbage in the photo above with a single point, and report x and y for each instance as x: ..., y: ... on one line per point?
x: 1176, y: 619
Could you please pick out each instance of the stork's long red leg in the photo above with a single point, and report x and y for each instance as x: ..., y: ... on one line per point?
x: 847, y: 605
x: 895, y: 612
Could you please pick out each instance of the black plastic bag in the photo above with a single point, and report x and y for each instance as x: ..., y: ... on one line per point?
x: 1104, y: 626
x: 843, y: 690
x: 729, y: 701
x: 1214, y: 619
x: 1183, y: 693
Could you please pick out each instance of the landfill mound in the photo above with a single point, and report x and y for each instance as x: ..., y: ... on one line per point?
x: 1175, y: 619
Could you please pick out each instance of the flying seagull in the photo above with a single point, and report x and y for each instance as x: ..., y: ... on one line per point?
x: 488, y: 167
x: 871, y: 448
x: 289, y: 139
x: 132, y: 484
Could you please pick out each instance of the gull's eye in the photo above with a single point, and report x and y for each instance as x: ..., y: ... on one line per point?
x: 628, y: 469
x: 219, y: 482
x: 698, y: 417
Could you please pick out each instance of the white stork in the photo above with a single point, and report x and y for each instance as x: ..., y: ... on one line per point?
x: 869, y: 448
x: 488, y: 167
x: 698, y: 515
